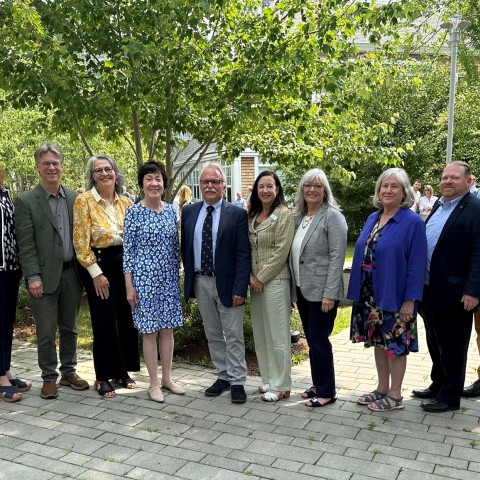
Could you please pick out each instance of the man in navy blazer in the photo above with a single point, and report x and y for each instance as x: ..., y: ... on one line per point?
x: 220, y: 293
x: 452, y: 289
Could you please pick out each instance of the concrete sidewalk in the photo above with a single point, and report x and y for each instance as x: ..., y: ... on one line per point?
x: 80, y: 435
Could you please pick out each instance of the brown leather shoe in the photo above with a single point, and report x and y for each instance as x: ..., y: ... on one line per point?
x: 75, y: 382
x: 49, y: 390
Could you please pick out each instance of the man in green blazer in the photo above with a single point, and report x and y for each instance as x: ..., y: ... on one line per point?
x: 43, y: 220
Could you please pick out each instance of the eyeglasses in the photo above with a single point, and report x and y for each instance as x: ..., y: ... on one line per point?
x: 51, y: 164
x: 215, y: 183
x: 309, y: 186
x: 101, y: 170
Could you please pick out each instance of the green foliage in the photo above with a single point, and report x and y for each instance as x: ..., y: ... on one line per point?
x: 277, y: 79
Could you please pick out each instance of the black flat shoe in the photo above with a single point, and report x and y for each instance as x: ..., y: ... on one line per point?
x: 473, y: 390
x: 314, y: 403
x: 217, y: 388
x: 425, y: 393
x: 438, y: 407
x: 238, y: 394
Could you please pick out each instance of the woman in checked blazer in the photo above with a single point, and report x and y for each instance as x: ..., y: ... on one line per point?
x: 270, y: 230
x: 316, y: 265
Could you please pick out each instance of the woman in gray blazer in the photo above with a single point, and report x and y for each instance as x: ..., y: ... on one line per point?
x: 316, y: 265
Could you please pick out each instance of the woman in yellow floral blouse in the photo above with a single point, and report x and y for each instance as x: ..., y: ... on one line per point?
x: 98, y: 217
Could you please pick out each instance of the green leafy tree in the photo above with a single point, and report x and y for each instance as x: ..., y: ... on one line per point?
x: 152, y: 72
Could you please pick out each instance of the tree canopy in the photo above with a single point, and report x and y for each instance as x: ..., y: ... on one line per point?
x: 155, y: 72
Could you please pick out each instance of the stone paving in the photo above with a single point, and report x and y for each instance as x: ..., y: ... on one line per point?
x: 81, y: 435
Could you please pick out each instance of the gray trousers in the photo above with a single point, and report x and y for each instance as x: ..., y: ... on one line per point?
x: 224, y: 331
x: 58, y: 310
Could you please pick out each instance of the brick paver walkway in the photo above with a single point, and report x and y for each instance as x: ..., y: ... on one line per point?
x: 80, y: 435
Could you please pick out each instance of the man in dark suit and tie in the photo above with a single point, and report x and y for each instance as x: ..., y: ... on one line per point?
x: 452, y: 289
x: 216, y: 260
x: 43, y: 220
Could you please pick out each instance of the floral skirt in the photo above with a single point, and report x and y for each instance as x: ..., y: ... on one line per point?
x: 381, y: 328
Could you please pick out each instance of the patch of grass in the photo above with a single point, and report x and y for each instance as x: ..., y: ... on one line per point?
x: 372, y: 426
x: 473, y: 443
x: 463, y: 409
x: 350, y: 250
x: 465, y: 429
x: 343, y: 319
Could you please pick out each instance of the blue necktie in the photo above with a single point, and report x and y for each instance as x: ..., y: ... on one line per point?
x: 207, y: 243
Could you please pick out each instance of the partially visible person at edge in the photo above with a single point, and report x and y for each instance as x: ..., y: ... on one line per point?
x: 98, y: 240
x: 11, y: 387
x: 44, y: 225
x: 216, y: 259
x: 183, y: 197
x: 386, y: 282
x: 316, y: 265
x: 151, y: 264
x: 417, y: 185
x: 452, y: 287
x: 426, y: 202
x: 271, y: 232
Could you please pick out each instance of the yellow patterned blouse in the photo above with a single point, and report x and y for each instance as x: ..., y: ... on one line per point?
x: 98, y: 224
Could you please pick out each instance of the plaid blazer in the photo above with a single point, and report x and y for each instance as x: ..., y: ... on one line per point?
x: 270, y: 243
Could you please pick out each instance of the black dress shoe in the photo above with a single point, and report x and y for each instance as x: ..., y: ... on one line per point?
x: 473, y: 390
x: 426, y: 393
x: 217, y: 388
x: 438, y: 407
x: 238, y: 394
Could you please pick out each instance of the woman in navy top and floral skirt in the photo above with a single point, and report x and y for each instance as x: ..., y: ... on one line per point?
x: 388, y: 272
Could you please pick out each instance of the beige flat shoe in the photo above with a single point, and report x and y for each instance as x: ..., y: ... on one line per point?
x: 174, y: 388
x: 156, y: 394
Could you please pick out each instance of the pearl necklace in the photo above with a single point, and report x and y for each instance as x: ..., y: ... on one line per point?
x: 306, y: 221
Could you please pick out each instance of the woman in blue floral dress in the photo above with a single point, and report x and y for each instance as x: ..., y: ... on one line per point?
x: 388, y: 272
x: 151, y: 264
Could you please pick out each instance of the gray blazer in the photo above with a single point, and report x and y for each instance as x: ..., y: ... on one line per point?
x: 39, y: 242
x: 322, y: 255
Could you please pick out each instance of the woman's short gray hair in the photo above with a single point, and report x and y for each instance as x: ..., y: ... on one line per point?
x: 401, y: 175
x: 315, y: 174
x: 120, y: 180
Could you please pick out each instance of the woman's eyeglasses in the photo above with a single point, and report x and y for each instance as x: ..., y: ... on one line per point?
x: 101, y: 170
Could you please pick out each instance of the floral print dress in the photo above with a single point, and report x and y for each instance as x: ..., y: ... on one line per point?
x: 376, y: 327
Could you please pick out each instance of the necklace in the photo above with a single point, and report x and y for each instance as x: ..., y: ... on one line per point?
x: 306, y: 221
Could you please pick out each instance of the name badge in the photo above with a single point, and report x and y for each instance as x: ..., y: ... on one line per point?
x: 273, y: 217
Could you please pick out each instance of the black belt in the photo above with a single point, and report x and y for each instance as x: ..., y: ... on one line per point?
x: 205, y: 274
x: 68, y: 265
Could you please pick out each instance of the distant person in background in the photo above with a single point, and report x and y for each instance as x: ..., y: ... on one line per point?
x: 10, y: 386
x: 151, y: 263
x: 426, y: 202
x: 44, y: 226
x: 132, y: 194
x: 386, y: 281
x: 316, y: 264
x: 183, y: 197
x: 417, y: 185
x: 249, y: 196
x: 473, y: 187
x: 239, y: 201
x: 98, y: 240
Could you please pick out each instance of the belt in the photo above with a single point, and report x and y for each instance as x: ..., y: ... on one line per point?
x: 367, y: 266
x: 68, y: 265
x: 205, y: 274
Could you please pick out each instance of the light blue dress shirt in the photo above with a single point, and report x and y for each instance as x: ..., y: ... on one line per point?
x: 435, y: 226
x: 197, y: 236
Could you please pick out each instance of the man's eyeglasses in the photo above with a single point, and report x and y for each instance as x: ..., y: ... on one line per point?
x: 215, y: 183
x: 316, y: 186
x: 51, y: 164
x: 101, y: 170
